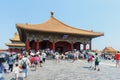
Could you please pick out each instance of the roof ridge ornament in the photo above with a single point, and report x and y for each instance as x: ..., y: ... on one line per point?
x: 52, y: 13
x: 26, y: 23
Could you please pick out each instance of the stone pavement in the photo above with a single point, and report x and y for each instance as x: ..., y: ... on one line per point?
x: 68, y: 70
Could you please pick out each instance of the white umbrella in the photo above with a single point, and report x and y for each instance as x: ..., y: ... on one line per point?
x: 2, y: 55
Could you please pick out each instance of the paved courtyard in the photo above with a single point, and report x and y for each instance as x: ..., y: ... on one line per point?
x: 68, y: 70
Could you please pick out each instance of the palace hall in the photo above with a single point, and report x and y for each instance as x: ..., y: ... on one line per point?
x: 55, y: 35
x: 16, y: 45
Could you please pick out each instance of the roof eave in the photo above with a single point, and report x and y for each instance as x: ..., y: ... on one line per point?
x: 100, y: 34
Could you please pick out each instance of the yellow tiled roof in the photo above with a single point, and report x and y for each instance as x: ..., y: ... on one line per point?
x: 17, y: 44
x: 109, y: 49
x: 16, y: 37
x: 54, y: 25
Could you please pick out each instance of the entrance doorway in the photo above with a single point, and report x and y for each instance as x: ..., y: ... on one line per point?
x: 59, y: 49
x: 62, y: 46
x: 45, y: 44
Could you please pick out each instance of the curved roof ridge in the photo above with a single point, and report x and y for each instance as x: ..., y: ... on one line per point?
x: 55, y: 25
x: 71, y: 26
x: 61, y: 23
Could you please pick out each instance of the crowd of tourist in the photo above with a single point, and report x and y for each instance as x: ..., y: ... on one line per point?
x: 22, y: 62
x: 34, y: 60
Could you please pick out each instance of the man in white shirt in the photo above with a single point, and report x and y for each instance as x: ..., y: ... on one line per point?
x: 24, y: 70
x: 44, y: 56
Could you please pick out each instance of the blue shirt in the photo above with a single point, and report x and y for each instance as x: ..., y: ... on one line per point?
x: 1, y: 68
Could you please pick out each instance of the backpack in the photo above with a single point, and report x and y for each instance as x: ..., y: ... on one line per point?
x: 98, y: 59
x: 24, y: 65
x: 35, y: 61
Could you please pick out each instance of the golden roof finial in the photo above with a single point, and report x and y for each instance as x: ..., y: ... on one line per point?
x: 26, y: 23
x: 52, y: 13
x: 15, y: 33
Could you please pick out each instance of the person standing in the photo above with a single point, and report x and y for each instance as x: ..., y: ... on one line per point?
x: 1, y: 69
x: 10, y: 63
x: 117, y: 58
x: 44, y: 56
x: 57, y: 56
x: 41, y: 59
x: 97, y: 61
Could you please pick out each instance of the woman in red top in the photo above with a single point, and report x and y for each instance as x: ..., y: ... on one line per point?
x: 117, y: 58
x: 32, y: 61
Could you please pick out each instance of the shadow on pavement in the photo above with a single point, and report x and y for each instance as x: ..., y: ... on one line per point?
x: 86, y: 67
x: 2, y: 78
x: 20, y: 78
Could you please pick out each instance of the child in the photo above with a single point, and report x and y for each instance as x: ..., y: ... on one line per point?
x: 16, y: 70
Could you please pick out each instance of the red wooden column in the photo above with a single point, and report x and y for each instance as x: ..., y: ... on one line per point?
x: 19, y: 50
x: 37, y: 45
x: 78, y: 46
x: 53, y: 45
x: 90, y: 46
x: 12, y: 50
x: 72, y: 46
x: 27, y: 46
x: 9, y: 49
x: 84, y: 46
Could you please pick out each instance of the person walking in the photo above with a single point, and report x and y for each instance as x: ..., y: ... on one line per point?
x: 25, y: 63
x: 10, y: 63
x: 36, y: 61
x: 16, y: 70
x: 117, y: 58
x: 97, y: 61
x: 32, y: 61
x: 91, y: 60
x: 44, y: 56
x: 1, y: 69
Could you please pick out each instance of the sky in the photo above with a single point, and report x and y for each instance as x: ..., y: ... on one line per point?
x: 97, y: 15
